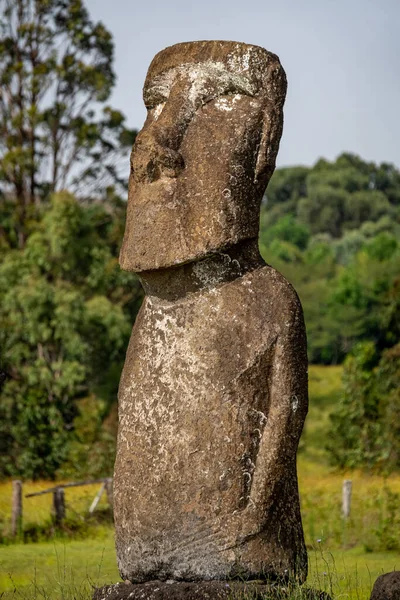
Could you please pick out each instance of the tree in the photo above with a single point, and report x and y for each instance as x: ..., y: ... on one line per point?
x: 365, y: 426
x: 366, y: 205
x: 333, y: 230
x: 287, y: 184
x: 55, y: 129
x: 323, y: 210
x: 65, y: 320
x: 287, y: 229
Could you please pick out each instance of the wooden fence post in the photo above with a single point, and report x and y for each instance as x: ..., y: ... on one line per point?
x: 109, y: 492
x: 97, y: 498
x: 59, y: 505
x: 16, y: 514
x: 346, y: 498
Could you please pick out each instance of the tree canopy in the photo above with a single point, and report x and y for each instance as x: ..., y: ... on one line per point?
x: 66, y: 308
x: 65, y: 320
x: 56, y: 130
x: 334, y: 231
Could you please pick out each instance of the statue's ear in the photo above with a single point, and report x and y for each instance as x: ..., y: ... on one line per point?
x: 269, y: 143
x: 273, y: 91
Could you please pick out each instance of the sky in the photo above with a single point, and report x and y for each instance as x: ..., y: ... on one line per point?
x: 341, y: 58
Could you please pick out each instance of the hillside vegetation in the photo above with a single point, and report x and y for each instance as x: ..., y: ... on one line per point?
x: 334, y: 231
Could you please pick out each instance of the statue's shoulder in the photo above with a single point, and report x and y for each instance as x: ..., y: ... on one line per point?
x: 276, y: 291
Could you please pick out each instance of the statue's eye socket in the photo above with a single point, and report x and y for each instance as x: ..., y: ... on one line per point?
x: 155, y: 95
x: 154, y: 102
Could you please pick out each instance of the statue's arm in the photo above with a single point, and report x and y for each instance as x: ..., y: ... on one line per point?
x: 288, y: 405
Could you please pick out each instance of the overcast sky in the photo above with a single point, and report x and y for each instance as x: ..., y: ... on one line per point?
x: 341, y: 58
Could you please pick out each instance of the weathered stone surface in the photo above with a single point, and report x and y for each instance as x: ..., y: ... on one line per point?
x: 213, y: 394
x: 387, y: 587
x: 205, y: 154
x: 205, y: 590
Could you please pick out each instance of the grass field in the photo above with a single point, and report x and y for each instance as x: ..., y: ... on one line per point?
x: 69, y: 570
x: 345, y: 556
x: 58, y: 569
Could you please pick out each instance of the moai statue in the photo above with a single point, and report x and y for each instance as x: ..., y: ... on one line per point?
x: 213, y: 394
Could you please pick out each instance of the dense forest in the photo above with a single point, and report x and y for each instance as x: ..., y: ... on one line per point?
x: 334, y: 231
x: 66, y: 308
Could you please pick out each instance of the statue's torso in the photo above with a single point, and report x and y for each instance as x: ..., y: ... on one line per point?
x: 194, y: 411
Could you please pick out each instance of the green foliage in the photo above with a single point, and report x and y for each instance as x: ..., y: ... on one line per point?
x: 65, y: 320
x: 384, y: 533
x: 382, y: 247
x: 91, y: 449
x: 287, y: 229
x: 323, y: 209
x: 365, y: 425
x: 56, y: 131
x: 288, y: 184
x: 334, y: 231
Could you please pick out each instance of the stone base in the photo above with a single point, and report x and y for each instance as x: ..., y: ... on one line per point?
x: 201, y: 590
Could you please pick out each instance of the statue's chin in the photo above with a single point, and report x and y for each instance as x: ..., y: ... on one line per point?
x: 169, y: 225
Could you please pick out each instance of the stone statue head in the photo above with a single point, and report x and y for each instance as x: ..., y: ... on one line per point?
x: 202, y: 161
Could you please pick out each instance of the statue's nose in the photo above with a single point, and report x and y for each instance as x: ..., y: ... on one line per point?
x: 153, y: 158
x: 156, y: 151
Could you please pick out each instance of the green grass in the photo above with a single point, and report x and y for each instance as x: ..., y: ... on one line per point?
x: 69, y: 570
x: 374, y: 522
x: 348, y: 574
x: 58, y: 569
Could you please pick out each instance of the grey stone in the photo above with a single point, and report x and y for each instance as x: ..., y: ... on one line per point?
x: 387, y: 587
x: 213, y: 394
